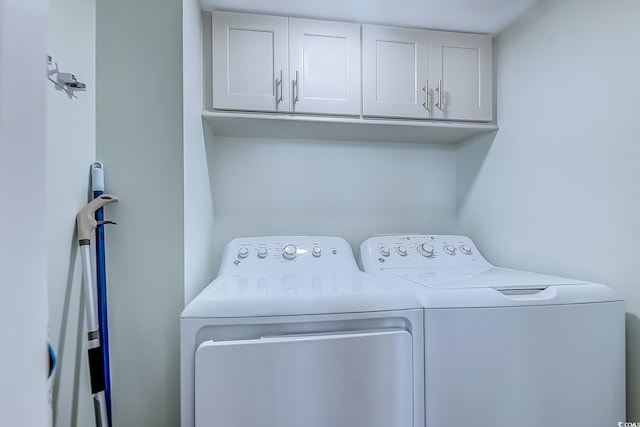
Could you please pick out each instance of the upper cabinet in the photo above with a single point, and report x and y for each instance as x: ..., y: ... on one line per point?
x: 324, y: 61
x: 461, y: 75
x: 251, y: 62
x: 395, y: 71
x: 275, y: 64
x: 338, y: 80
x: 420, y: 74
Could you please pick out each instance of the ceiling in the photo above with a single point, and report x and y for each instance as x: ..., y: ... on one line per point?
x: 481, y: 16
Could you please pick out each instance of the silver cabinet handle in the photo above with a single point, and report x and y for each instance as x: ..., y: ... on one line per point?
x: 296, y: 85
x: 439, y: 104
x: 281, y: 84
x: 426, y: 104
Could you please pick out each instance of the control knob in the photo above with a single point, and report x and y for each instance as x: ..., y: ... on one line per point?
x: 426, y: 250
x: 384, y: 251
x: 289, y: 252
x: 243, y: 252
x: 262, y: 252
x: 402, y: 251
x: 450, y: 249
x: 465, y: 249
x: 316, y: 251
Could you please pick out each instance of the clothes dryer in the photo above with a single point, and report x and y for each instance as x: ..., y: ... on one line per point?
x: 291, y: 333
x: 504, y: 347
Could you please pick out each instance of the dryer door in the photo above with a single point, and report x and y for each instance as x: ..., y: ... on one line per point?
x: 361, y: 379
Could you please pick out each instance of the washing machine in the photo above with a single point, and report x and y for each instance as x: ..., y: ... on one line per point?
x: 505, y: 347
x: 291, y: 333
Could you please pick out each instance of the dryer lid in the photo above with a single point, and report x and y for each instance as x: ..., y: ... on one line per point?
x: 300, y: 293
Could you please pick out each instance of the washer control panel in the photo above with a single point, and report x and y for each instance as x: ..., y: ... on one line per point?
x: 419, y: 251
x: 287, y: 252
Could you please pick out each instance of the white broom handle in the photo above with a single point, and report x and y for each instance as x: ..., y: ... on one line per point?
x: 87, y: 279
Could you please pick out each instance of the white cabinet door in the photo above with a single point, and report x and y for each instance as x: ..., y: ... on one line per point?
x: 394, y: 72
x: 461, y: 72
x: 324, y: 67
x: 250, y: 57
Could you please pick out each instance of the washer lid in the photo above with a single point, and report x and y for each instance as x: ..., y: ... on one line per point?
x: 498, y: 287
x: 300, y: 293
x: 479, y: 277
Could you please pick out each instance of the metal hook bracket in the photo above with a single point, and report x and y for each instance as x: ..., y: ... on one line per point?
x: 65, y: 81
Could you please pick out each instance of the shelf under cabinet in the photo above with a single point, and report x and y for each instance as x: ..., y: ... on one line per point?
x: 341, y: 128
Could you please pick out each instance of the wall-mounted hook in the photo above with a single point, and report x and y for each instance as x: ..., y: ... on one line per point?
x: 65, y: 81
x: 69, y: 81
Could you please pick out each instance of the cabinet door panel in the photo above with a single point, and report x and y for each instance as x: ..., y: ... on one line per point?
x: 325, y: 67
x: 325, y: 57
x: 244, y: 79
x: 250, y: 56
x: 461, y: 67
x: 394, y: 71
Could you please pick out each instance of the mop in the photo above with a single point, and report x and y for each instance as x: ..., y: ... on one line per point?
x: 86, y: 223
x: 97, y: 184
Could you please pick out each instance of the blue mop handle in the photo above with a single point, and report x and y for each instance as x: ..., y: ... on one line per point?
x: 97, y: 183
x: 85, y: 224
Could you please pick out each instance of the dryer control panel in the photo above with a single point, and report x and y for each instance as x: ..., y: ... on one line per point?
x: 280, y: 253
x: 420, y: 251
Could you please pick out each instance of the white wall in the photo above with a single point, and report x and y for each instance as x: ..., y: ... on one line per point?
x: 343, y: 188
x: 198, y: 206
x: 557, y: 191
x: 139, y: 139
x: 71, y: 146
x: 553, y: 149
x: 23, y: 268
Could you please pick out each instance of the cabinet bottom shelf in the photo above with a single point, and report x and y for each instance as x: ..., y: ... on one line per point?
x: 341, y: 128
